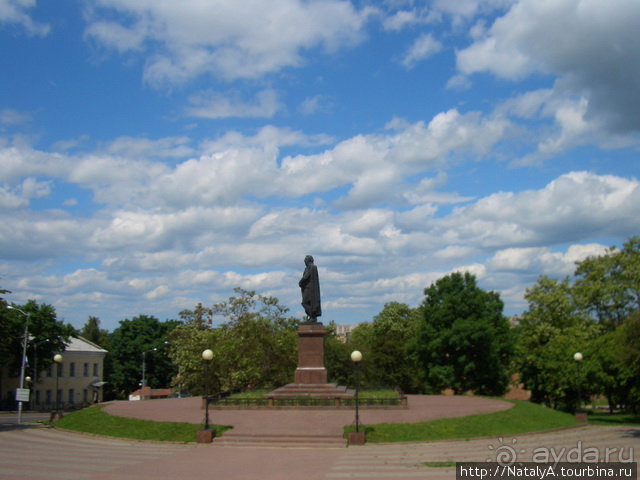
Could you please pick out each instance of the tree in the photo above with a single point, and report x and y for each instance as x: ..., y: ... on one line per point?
x: 554, y: 327
x: 463, y: 341
x: 47, y: 335
x: 92, y: 332
x: 592, y: 315
x: 609, y: 285
x: 391, y: 331
x: 129, y: 341
x: 254, y: 348
x: 337, y: 359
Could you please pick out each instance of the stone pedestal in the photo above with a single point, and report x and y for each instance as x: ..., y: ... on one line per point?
x: 356, y: 438
x: 206, y: 435
x: 310, y: 378
x: 581, y: 417
x: 310, y: 355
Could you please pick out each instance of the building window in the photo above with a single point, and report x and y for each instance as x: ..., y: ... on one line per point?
x: 85, y: 396
x: 72, y: 369
x: 60, y: 370
x: 37, y: 397
x: 85, y: 370
x: 48, y: 398
x: 95, y: 369
x: 71, y: 396
x: 50, y: 371
x: 59, y: 397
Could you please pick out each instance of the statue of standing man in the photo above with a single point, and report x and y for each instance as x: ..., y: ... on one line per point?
x: 310, y: 287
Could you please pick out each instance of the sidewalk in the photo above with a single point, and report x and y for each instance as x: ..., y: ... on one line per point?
x: 37, y: 453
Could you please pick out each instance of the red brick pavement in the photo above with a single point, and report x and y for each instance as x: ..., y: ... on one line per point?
x: 304, y: 421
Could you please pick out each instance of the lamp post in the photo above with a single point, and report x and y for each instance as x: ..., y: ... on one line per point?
x: 58, y: 359
x: 144, y: 370
x: 23, y: 362
x: 207, y: 356
x: 577, y: 357
x: 206, y: 434
x: 35, y: 359
x: 356, y: 356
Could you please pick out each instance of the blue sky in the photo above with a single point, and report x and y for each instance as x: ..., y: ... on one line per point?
x: 157, y: 154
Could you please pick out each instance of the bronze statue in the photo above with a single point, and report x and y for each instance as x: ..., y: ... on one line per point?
x: 310, y: 287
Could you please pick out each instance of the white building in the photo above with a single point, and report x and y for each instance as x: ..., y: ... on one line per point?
x: 80, y: 378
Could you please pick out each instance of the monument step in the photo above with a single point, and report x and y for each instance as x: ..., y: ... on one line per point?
x: 281, y: 441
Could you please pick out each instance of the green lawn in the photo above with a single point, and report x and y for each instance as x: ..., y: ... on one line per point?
x: 614, y: 419
x: 94, y: 420
x: 523, y: 417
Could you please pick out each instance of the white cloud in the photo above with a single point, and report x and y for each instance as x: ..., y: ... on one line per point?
x: 9, y: 116
x: 423, y: 47
x: 574, y: 206
x: 542, y: 260
x: 592, y: 46
x: 226, y: 105
x: 16, y: 12
x: 228, y: 39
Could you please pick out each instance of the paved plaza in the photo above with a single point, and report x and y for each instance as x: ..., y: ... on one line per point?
x: 34, y: 452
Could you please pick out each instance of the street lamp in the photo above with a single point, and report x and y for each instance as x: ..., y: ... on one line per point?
x: 144, y: 364
x: 356, y: 357
x: 35, y: 358
x: 577, y: 357
x: 207, y: 356
x: 20, y: 393
x: 58, y: 359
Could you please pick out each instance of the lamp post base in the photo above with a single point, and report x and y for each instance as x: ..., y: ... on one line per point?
x: 206, y: 435
x: 356, y: 438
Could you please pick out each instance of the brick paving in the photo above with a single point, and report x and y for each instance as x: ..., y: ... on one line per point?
x: 311, y: 422
x: 31, y: 453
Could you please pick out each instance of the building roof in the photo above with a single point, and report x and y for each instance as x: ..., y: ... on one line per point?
x: 80, y: 344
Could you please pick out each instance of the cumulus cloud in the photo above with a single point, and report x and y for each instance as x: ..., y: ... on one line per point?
x: 592, y: 47
x: 225, y: 105
x: 574, y: 206
x: 423, y: 47
x: 16, y: 12
x: 228, y: 39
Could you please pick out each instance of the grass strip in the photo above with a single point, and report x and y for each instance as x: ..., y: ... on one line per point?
x: 627, y: 419
x: 522, y: 417
x: 94, y: 420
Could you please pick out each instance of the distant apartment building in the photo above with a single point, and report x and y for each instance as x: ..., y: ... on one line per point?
x: 80, y: 379
x: 343, y: 332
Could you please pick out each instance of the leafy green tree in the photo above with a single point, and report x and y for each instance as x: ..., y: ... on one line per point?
x: 129, y: 341
x: 551, y: 331
x: 337, y: 358
x: 591, y: 315
x: 254, y: 348
x: 609, y: 285
x: 391, y: 332
x: 92, y: 332
x: 47, y: 335
x: 463, y: 341
x: 187, y: 342
x: 615, y: 378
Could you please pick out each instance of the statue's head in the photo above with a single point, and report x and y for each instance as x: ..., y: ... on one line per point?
x: 308, y: 259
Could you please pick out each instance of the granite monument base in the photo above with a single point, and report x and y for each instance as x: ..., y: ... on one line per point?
x: 310, y: 378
